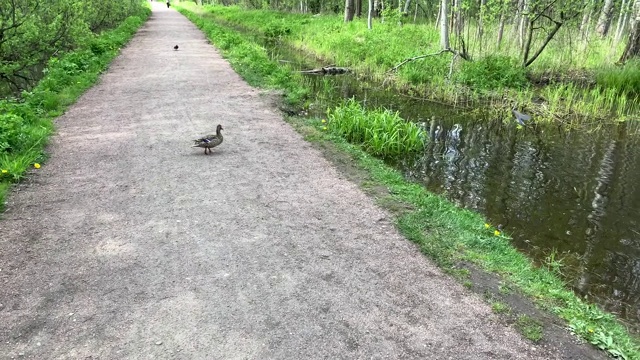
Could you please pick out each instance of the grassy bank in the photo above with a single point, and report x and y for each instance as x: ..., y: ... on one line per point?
x: 610, y: 92
x: 27, y: 123
x: 443, y: 231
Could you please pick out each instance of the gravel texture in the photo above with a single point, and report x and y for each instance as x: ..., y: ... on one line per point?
x: 130, y: 244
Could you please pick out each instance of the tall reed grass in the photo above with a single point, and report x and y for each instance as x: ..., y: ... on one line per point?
x: 381, y: 132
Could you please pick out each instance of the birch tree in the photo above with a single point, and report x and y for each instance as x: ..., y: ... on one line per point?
x: 632, y: 50
x: 348, y: 10
x: 602, y: 28
x: 444, y: 24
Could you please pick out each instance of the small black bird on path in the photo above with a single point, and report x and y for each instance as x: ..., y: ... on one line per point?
x: 175, y: 47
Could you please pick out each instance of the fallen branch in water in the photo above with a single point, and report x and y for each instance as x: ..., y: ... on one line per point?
x: 455, y: 55
x: 327, y: 70
x: 418, y: 58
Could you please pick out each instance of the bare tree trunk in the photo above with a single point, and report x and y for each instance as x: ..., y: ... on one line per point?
x: 522, y: 26
x: 622, y: 22
x: 480, y: 31
x: 632, y: 49
x: 528, y: 61
x: 358, y: 4
x: 584, y: 25
x: 415, y: 14
x: 444, y: 24
x: 456, y: 16
x: 370, y: 16
x: 516, y: 17
x: 438, y: 19
x: 602, y: 27
x: 500, y: 29
x: 348, y: 10
x: 406, y: 6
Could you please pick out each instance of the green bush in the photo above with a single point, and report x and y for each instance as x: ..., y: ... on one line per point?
x: 492, y: 72
x: 276, y: 30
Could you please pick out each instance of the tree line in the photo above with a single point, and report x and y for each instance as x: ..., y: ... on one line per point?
x: 533, y: 23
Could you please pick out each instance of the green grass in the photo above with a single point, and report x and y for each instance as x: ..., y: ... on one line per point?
x: 27, y: 123
x: 529, y: 328
x: 495, y: 75
x: 444, y: 232
x: 625, y: 79
x: 499, y: 307
x: 380, y: 132
x: 493, y: 72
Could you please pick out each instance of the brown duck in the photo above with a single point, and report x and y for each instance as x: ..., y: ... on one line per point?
x: 210, y: 141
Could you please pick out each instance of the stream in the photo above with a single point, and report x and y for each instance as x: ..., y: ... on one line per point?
x: 570, y: 195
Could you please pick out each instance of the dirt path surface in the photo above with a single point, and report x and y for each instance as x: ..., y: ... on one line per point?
x: 129, y: 244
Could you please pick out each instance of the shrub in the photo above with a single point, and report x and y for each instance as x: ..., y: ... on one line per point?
x: 492, y: 72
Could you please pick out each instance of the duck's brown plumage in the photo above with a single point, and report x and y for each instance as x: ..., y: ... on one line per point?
x: 210, y: 141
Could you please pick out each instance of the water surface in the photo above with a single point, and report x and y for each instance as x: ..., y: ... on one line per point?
x: 569, y: 193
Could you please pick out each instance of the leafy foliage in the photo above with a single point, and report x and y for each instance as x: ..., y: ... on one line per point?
x: 493, y: 72
x: 33, y: 31
x: 26, y: 123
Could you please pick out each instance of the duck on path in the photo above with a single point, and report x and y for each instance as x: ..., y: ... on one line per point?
x: 210, y: 141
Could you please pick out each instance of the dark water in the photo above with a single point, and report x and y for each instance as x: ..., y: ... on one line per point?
x: 573, y: 193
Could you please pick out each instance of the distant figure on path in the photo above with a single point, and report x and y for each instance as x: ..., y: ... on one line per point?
x: 168, y: 4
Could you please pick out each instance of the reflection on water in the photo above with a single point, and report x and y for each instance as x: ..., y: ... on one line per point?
x: 575, y: 192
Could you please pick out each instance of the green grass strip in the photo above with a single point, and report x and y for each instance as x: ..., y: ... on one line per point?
x: 444, y: 232
x: 27, y: 123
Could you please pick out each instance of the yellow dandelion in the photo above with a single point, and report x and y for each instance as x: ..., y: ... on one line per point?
x: 496, y: 233
x: 36, y: 165
x: 324, y: 128
x: 590, y: 330
x: 324, y: 121
x: 4, y: 171
x: 486, y: 226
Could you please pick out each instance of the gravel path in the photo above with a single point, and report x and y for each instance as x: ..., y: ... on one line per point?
x: 129, y: 244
